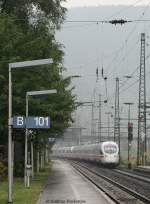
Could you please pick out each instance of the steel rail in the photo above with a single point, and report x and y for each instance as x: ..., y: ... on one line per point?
x: 133, y: 175
x: 124, y: 188
x: 95, y: 183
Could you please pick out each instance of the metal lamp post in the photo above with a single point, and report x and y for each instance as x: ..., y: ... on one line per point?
x: 32, y: 93
x: 129, y: 141
x: 80, y: 135
x: 108, y: 120
x: 19, y: 65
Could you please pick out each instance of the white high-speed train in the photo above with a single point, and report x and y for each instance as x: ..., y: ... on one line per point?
x: 105, y: 153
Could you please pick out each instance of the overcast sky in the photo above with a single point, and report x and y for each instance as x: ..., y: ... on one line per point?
x: 115, y: 48
x: 82, y: 3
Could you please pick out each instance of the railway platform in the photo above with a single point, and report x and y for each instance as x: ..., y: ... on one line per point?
x: 143, y: 169
x: 67, y: 186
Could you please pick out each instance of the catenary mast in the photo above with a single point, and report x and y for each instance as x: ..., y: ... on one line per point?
x: 142, y: 139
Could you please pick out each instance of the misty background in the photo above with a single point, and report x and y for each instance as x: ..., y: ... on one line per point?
x: 89, y: 46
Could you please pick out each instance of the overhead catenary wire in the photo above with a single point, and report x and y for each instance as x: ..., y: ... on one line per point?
x: 139, y: 20
x: 136, y: 21
x: 114, y: 21
x: 124, y: 21
x: 133, y: 30
x: 124, y: 9
x: 96, y: 21
x: 135, y: 82
x: 146, y: 58
x: 80, y: 26
x: 129, y: 51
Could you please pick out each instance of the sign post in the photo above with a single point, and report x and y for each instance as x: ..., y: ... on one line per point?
x: 26, y: 148
x: 10, y: 169
x: 10, y: 160
x: 30, y: 122
x: 33, y: 93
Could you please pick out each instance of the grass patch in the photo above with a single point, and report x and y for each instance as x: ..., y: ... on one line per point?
x: 22, y: 195
x: 124, y: 163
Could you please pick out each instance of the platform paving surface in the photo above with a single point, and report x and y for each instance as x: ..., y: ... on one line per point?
x: 65, y: 185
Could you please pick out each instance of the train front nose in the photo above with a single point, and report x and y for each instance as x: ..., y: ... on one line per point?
x: 111, y: 159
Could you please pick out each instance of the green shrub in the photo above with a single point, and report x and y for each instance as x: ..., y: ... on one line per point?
x: 19, y: 169
x: 3, y: 170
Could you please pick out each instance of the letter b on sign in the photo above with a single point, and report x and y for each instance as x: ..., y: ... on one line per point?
x: 18, y: 122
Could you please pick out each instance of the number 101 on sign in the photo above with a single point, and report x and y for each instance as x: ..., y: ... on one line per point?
x: 41, y: 121
x: 38, y: 122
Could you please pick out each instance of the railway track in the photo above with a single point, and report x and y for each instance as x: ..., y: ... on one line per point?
x: 142, y: 171
x: 136, y: 171
x: 133, y: 174
x: 109, y: 181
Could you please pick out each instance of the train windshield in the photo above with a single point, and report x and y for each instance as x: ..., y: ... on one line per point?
x: 110, y: 149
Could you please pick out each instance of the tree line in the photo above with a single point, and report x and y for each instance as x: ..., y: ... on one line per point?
x: 27, y: 32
